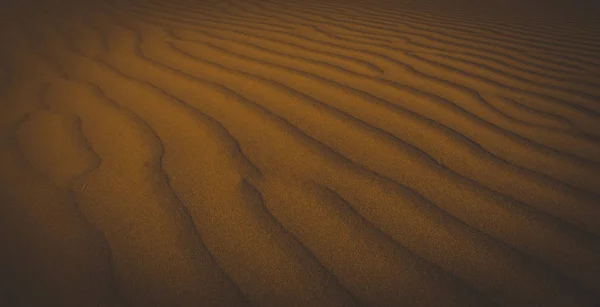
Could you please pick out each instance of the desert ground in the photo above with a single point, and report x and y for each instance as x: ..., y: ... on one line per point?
x: 299, y: 153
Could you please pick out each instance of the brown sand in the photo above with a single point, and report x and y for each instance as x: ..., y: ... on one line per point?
x: 299, y: 153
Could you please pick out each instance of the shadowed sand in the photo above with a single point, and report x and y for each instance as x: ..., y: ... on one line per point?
x: 299, y: 153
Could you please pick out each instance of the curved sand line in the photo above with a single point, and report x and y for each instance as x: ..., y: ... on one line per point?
x: 306, y: 153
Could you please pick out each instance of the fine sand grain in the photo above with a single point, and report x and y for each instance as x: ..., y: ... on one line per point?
x: 299, y: 153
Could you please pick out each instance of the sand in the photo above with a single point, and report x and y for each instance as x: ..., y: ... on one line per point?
x: 299, y: 153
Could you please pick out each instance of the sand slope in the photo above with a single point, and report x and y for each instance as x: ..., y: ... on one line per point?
x: 299, y: 153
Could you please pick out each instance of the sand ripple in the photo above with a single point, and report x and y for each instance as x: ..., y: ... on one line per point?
x: 304, y: 153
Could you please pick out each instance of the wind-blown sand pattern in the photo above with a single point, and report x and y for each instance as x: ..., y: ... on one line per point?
x: 299, y: 153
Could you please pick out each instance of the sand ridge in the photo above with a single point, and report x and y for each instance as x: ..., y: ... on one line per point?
x: 306, y: 153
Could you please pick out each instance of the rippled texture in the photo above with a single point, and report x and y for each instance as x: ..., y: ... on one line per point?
x: 299, y: 153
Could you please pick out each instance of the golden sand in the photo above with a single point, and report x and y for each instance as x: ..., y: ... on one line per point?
x: 299, y: 153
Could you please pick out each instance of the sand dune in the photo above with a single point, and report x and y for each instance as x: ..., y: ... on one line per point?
x: 301, y: 153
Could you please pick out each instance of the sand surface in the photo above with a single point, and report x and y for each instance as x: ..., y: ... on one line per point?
x: 299, y: 153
